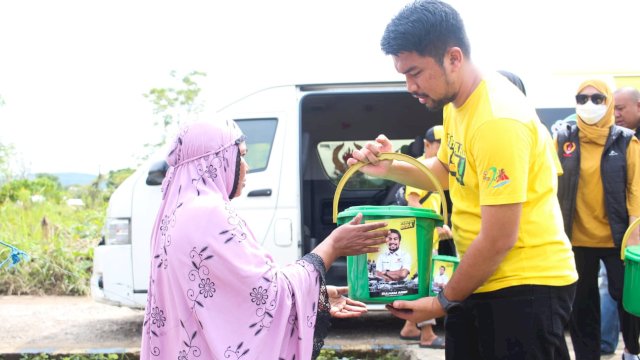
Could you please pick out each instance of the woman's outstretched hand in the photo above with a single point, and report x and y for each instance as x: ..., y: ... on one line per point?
x: 352, y: 238
x: 355, y: 238
x: 342, y: 306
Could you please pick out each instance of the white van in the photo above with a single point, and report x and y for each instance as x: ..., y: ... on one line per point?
x: 299, y: 137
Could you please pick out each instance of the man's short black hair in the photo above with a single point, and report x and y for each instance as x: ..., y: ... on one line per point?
x: 428, y: 28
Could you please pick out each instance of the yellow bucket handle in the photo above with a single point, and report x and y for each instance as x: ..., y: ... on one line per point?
x: 392, y: 156
x: 626, y: 236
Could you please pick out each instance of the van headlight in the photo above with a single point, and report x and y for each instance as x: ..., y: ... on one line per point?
x: 118, y: 232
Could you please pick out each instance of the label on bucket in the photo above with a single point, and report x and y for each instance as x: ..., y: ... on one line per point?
x: 366, y: 279
x: 393, y: 270
x: 442, y: 268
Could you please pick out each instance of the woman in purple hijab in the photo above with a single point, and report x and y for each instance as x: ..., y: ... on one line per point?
x: 214, y: 292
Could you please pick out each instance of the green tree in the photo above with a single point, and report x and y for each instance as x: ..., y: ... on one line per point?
x: 45, y: 185
x: 116, y: 177
x: 171, y: 104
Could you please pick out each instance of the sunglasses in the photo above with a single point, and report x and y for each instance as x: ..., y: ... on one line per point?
x: 596, y: 99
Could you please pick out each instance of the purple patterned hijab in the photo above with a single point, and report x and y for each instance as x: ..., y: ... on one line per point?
x: 214, y: 292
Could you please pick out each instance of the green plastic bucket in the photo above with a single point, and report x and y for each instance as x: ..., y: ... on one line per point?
x: 442, y: 268
x: 379, y: 277
x: 631, y: 289
x: 414, y: 233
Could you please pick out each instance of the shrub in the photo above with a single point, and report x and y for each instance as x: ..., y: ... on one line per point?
x: 59, y: 240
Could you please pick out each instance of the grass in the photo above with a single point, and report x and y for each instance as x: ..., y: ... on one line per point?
x: 326, y: 354
x: 59, y: 240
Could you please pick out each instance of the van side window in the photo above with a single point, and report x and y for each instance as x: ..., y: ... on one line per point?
x: 260, y: 134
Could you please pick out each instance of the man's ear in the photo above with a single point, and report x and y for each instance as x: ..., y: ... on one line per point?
x: 453, y: 58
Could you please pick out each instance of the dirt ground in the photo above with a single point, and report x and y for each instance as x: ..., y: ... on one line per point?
x: 59, y: 324
x: 68, y: 325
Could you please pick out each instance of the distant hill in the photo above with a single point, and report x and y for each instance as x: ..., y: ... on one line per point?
x: 67, y: 179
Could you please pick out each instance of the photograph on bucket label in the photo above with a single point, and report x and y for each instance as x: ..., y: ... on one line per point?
x: 442, y: 269
x: 393, y: 269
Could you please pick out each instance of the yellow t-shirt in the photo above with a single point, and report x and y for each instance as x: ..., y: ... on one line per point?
x: 498, y: 152
x: 433, y: 202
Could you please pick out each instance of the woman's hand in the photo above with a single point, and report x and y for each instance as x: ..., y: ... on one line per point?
x: 352, y: 238
x: 417, y: 310
x: 355, y: 238
x: 342, y: 306
x: 369, y: 153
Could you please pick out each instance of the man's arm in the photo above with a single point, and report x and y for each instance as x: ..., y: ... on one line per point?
x: 498, y: 234
x: 398, y: 171
x: 397, y: 275
x: 408, y: 174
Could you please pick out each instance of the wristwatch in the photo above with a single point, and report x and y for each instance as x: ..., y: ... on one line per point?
x: 448, y: 305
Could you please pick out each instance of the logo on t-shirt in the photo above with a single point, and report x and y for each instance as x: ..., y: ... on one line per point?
x: 457, y: 160
x: 495, y: 177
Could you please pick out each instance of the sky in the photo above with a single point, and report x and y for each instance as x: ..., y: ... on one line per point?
x: 73, y: 72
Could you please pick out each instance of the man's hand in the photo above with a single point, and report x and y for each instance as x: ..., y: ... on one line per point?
x: 369, y: 153
x: 417, y: 310
x: 444, y: 233
x: 342, y: 306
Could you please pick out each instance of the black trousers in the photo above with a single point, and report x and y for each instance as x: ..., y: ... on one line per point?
x: 585, y: 319
x: 516, y: 323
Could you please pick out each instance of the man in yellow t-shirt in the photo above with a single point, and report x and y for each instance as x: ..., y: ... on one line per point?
x: 511, y: 294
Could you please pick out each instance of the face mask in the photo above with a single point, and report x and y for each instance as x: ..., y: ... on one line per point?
x: 590, y: 113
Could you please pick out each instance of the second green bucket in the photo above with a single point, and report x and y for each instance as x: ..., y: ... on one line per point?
x: 631, y: 257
